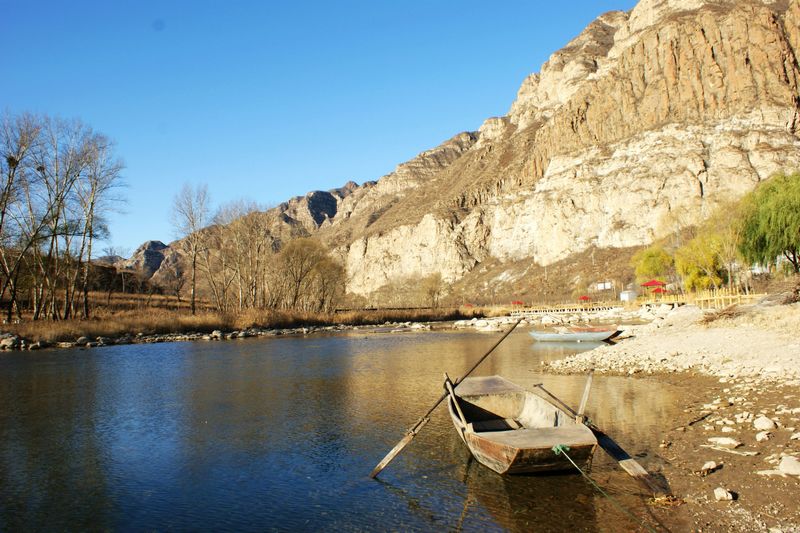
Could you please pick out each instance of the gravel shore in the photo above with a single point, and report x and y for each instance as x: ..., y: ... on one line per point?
x: 759, y: 341
x: 733, y: 456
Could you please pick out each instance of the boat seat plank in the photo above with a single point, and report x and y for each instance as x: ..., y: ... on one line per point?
x: 495, y: 424
x: 577, y: 435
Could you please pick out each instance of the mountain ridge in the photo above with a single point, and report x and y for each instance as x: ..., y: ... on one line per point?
x: 646, y: 116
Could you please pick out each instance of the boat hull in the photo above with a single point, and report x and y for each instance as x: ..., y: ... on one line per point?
x: 573, y: 336
x: 500, y: 429
x: 510, y: 460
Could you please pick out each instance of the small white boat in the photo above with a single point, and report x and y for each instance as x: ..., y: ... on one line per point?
x: 512, y: 430
x: 574, y: 336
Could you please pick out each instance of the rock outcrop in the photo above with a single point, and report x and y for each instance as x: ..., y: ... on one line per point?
x: 146, y: 259
x: 645, y: 118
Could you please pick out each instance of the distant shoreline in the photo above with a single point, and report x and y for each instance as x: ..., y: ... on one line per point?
x: 159, y: 325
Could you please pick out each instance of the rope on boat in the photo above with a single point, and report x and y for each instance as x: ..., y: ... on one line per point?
x: 559, y: 449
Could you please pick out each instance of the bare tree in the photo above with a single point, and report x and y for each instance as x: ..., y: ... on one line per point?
x: 101, y: 177
x: 328, y: 285
x: 215, y: 265
x: 189, y: 217
x: 18, y: 136
x: 432, y: 286
x: 297, y: 261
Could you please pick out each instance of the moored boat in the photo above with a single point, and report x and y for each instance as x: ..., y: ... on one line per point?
x: 574, y: 336
x: 512, y: 430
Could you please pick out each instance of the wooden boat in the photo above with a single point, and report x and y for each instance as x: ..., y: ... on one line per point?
x: 574, y: 336
x: 512, y: 430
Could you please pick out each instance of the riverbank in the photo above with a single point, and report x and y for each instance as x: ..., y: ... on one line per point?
x: 159, y: 325
x: 741, y: 412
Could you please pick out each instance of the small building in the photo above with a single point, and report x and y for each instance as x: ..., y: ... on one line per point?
x: 627, y: 296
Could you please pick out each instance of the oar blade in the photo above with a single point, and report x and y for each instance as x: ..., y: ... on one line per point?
x: 394, y: 452
x: 657, y: 487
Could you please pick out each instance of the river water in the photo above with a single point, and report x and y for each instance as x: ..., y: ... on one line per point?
x: 281, y: 434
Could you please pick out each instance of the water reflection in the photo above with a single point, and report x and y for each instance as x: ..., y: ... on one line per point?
x: 280, y: 434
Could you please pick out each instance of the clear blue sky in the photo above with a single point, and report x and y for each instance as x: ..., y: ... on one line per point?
x: 269, y: 100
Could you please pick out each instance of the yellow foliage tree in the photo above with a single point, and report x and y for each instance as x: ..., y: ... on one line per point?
x: 652, y: 262
x: 698, y: 262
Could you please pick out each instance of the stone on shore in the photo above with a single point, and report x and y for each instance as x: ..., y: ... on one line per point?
x: 725, y: 442
x: 790, y: 465
x: 721, y: 494
x: 708, y: 468
x: 9, y: 343
x: 763, y: 436
x: 762, y: 423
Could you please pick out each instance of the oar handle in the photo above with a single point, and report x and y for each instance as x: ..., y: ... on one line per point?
x: 487, y: 354
x: 569, y: 409
x: 584, y: 398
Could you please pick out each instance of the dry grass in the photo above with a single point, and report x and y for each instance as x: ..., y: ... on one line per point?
x: 357, y: 318
x: 495, y: 282
x: 156, y: 321
x: 285, y: 319
x: 149, y: 322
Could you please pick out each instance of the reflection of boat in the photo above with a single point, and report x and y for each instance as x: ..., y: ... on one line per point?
x: 529, y: 503
x: 551, y: 350
x: 574, y: 336
x: 512, y: 430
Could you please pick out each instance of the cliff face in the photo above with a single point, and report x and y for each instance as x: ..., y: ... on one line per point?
x: 645, y: 117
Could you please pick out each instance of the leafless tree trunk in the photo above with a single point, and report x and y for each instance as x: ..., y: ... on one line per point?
x: 190, y: 216
x: 102, y: 176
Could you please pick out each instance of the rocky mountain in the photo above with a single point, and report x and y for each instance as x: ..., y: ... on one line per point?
x: 146, y: 259
x: 646, y: 119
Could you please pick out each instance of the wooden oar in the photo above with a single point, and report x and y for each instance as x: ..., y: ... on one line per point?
x: 582, y: 408
x: 625, y: 461
x: 417, y: 427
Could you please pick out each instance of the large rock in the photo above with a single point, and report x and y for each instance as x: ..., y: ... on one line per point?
x: 762, y: 423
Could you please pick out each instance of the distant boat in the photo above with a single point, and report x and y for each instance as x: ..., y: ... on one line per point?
x: 575, y: 335
x: 512, y: 430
